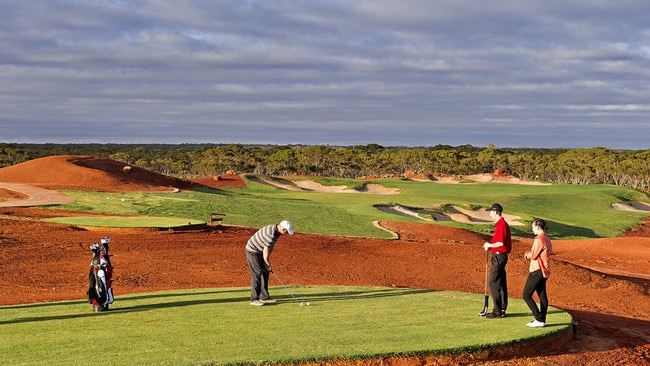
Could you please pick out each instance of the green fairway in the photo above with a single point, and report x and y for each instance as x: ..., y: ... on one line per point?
x: 572, y: 211
x: 217, y: 326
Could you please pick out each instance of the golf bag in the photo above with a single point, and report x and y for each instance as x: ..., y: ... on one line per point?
x: 100, y: 289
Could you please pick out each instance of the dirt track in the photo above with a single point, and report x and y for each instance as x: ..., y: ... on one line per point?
x: 602, y: 282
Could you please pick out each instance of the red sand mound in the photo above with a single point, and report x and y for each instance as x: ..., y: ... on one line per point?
x: 601, y: 282
x: 90, y: 174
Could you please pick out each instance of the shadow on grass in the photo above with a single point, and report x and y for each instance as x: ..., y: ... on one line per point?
x: 555, y: 230
x: 351, y: 295
x: 529, y: 315
x: 145, y: 295
x: 173, y: 302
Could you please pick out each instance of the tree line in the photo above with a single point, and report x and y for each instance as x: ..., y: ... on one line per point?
x: 596, y: 165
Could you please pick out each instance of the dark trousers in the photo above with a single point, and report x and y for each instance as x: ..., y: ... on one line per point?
x: 536, y: 283
x: 498, y: 283
x: 259, y: 276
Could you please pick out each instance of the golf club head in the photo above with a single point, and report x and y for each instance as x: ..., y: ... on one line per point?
x: 304, y: 304
x: 485, y: 307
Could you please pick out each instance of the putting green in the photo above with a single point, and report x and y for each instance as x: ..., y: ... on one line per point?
x: 218, y: 326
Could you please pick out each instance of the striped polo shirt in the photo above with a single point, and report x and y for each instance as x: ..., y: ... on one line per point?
x: 264, y: 237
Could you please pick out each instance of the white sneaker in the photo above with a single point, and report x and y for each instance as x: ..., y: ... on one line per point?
x: 536, y: 324
x: 256, y: 303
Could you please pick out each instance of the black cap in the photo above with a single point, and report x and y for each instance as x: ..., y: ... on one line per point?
x: 496, y: 207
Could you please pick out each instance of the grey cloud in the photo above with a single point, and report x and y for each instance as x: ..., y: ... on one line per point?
x: 328, y: 72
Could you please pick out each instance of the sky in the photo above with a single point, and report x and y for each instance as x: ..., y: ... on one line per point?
x: 533, y: 73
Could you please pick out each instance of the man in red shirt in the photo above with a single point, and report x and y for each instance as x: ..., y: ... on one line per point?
x: 500, y: 246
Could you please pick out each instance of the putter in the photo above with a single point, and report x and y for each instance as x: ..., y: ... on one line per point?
x: 487, y: 297
x: 286, y: 288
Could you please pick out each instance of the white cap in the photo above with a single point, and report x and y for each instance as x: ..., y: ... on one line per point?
x: 287, y: 225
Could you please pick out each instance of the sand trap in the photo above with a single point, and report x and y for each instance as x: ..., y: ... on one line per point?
x: 455, y: 213
x: 275, y: 182
x: 515, y: 180
x: 370, y: 188
x: 406, y: 212
x: 309, y: 185
x: 478, y: 178
x: 632, y: 206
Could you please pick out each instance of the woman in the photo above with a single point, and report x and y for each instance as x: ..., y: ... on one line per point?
x: 538, y: 273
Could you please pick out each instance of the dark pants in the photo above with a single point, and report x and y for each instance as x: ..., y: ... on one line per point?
x: 259, y: 276
x: 536, y: 283
x: 498, y: 283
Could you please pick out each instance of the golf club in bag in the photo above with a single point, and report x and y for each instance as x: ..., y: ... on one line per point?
x: 286, y: 288
x: 100, y: 289
x: 487, y: 297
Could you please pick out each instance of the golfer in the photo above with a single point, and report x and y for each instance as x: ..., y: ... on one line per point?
x: 538, y: 273
x: 258, y: 253
x: 500, y: 246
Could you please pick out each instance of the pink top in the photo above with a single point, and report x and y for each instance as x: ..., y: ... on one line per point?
x: 539, y: 254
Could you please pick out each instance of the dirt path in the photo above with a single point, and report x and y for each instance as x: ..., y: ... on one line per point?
x: 28, y: 195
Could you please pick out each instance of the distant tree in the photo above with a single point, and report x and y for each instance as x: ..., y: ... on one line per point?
x: 525, y: 164
x: 491, y: 159
x: 315, y: 160
x: 12, y: 156
x: 281, y: 162
x: 445, y: 161
x: 124, y: 157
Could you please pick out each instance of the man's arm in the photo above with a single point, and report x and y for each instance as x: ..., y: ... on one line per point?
x: 266, y: 254
x: 489, y: 245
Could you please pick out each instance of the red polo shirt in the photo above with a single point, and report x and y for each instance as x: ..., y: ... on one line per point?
x: 501, y: 234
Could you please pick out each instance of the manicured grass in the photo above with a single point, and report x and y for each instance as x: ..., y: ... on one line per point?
x: 572, y: 211
x: 217, y: 326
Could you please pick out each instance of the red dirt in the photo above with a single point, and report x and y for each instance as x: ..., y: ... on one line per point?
x: 11, y: 195
x: 602, y: 283
x: 88, y: 173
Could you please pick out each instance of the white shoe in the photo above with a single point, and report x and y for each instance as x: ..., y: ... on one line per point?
x: 536, y: 324
x: 256, y: 303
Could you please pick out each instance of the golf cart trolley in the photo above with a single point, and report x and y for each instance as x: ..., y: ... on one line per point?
x: 100, y: 291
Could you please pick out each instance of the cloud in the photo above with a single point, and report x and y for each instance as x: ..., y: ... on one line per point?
x: 409, y: 73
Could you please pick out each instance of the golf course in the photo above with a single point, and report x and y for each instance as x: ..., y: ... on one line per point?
x: 393, y: 269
